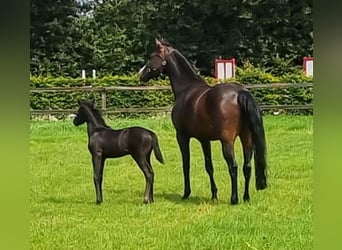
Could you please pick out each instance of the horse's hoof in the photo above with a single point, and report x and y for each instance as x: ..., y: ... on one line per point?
x: 98, y: 202
x: 147, y: 201
x: 246, y: 199
x: 260, y: 185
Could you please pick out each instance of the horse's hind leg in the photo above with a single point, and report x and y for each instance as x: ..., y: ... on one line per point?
x: 149, y: 177
x: 247, y: 147
x: 98, y: 165
x: 228, y: 153
x: 206, y: 147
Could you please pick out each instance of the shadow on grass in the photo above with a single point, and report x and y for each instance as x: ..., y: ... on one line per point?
x: 80, y: 199
x: 119, y: 197
x: 111, y: 197
x: 177, y: 198
x: 65, y: 200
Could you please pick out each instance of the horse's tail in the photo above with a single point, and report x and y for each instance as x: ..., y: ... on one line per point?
x: 251, y: 114
x: 156, y: 149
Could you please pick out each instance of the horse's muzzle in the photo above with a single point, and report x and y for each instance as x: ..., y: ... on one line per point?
x: 143, y: 78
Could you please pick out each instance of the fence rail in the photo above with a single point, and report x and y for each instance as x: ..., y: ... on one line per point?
x: 105, y: 90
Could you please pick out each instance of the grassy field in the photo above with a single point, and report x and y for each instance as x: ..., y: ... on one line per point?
x: 64, y: 214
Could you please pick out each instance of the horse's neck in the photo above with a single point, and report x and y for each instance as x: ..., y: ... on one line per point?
x: 182, y: 76
x: 93, y: 123
x: 91, y: 128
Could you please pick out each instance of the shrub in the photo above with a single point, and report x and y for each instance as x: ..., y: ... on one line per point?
x: 248, y: 74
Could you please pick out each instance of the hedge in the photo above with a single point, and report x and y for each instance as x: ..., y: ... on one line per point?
x: 164, y: 98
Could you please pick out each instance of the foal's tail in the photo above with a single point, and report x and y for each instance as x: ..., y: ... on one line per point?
x: 156, y: 148
x: 251, y: 114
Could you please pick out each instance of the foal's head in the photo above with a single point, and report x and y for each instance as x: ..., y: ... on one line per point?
x: 81, y: 115
x: 155, y: 66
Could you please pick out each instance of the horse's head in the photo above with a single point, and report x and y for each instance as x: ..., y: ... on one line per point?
x: 81, y: 115
x: 157, y: 63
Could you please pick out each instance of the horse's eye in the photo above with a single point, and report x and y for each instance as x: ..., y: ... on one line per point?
x: 154, y: 69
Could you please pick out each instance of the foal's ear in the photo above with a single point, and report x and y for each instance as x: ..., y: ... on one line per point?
x: 92, y: 102
x: 79, y: 102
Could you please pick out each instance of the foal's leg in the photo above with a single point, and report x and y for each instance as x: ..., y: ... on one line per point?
x: 149, y: 177
x: 98, y: 164
x: 183, y: 142
x: 247, y: 146
x: 148, y: 160
x: 209, y: 167
x: 228, y: 153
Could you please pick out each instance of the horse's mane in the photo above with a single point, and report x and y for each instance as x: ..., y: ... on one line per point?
x: 184, y: 63
x: 164, y: 42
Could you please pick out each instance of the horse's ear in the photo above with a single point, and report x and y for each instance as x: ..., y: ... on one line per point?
x: 159, y: 45
x: 79, y: 102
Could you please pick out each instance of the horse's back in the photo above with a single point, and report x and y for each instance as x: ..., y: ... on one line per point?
x: 139, y: 133
x: 230, y: 87
x: 109, y: 142
x: 115, y: 143
x: 139, y: 139
x: 210, y: 112
x: 223, y: 98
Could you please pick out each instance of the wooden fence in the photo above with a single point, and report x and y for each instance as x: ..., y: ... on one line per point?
x: 105, y: 90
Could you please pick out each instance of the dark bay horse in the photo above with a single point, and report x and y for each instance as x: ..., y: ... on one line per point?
x: 105, y: 142
x: 221, y: 112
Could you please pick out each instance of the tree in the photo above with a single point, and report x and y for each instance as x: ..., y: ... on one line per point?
x: 51, y: 38
x: 116, y: 36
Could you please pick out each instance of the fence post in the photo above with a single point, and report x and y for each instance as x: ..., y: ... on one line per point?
x: 103, y: 100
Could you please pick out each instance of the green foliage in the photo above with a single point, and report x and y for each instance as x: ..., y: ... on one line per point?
x: 248, y: 74
x: 53, y: 38
x: 116, y: 37
x: 252, y: 75
x: 115, y: 99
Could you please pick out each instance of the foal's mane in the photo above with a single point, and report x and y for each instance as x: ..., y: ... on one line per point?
x: 96, y: 113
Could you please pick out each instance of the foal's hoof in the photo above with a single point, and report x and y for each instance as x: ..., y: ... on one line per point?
x: 234, y: 201
x: 98, y: 202
x: 214, y: 200
x: 186, y: 196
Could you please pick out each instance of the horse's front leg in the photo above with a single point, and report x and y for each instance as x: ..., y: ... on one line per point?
x: 183, y: 142
x: 98, y: 164
x: 206, y: 147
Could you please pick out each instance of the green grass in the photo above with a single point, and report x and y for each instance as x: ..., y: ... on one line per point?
x: 64, y: 214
